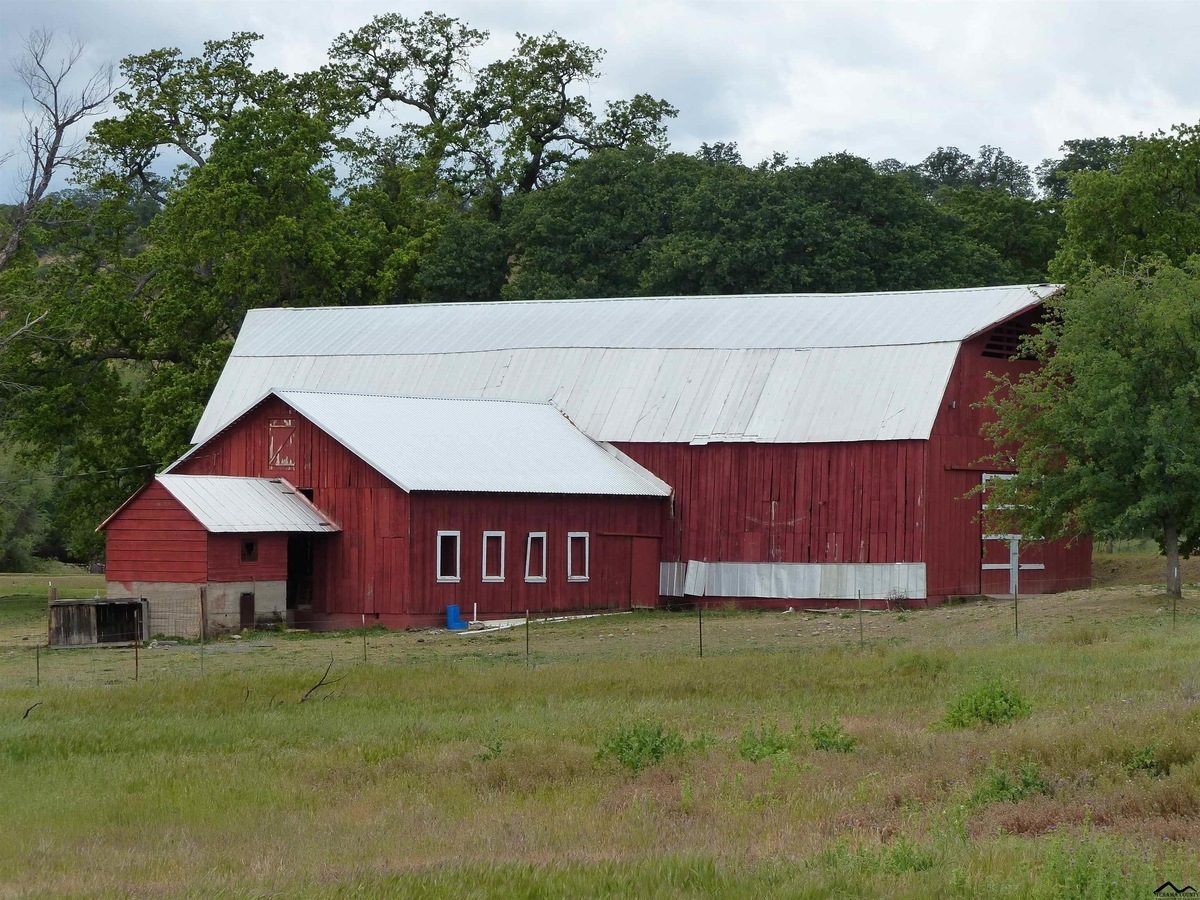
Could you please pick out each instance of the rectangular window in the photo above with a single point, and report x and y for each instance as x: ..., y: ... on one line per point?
x: 447, y: 555
x: 577, y: 556
x: 249, y: 551
x: 493, y: 556
x: 535, y: 556
x: 281, y: 444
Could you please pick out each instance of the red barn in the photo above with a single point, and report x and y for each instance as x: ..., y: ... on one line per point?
x: 815, y: 447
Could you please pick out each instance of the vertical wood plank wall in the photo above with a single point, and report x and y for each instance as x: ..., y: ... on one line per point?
x: 956, y: 449
x: 610, y: 523
x: 804, y: 503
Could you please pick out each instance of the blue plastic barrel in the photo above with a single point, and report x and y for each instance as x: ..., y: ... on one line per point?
x: 453, y: 620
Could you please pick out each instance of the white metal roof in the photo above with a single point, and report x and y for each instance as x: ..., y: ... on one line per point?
x: 492, y: 446
x: 227, y: 504
x: 772, y: 368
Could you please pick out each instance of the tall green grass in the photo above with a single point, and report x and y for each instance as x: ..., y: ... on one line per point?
x: 446, y: 766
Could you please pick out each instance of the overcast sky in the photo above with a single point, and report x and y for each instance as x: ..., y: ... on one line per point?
x: 879, y: 79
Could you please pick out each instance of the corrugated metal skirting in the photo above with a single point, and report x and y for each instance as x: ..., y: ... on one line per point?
x: 795, y: 581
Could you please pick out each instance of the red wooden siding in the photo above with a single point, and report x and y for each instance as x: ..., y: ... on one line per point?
x: 362, y: 569
x: 225, y: 558
x: 955, y: 534
x: 154, y: 538
x: 611, y: 523
x: 804, y: 503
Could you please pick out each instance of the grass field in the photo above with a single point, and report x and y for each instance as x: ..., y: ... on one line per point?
x: 787, y: 762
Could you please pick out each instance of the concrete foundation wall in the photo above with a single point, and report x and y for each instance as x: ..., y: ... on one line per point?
x: 174, y: 609
x: 223, y: 602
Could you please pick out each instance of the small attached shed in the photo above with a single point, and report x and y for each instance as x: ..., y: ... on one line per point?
x: 211, y: 550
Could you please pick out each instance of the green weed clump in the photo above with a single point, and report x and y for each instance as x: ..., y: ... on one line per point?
x: 999, y: 786
x: 992, y: 703
x: 641, y: 745
x: 1147, y: 760
x: 831, y: 736
x: 757, y: 745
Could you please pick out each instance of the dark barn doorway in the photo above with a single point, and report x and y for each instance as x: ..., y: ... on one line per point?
x: 299, y: 572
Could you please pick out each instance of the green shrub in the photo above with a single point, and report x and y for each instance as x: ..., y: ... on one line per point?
x: 1148, y: 761
x: 641, y: 745
x: 992, y: 703
x: 831, y: 736
x: 757, y: 745
x: 998, y: 786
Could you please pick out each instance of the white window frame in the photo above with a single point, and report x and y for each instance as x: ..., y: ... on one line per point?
x: 587, y: 555
x: 483, y: 567
x: 540, y: 579
x: 457, y: 576
x: 998, y: 476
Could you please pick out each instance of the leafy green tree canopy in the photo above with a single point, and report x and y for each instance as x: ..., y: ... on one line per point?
x: 1148, y: 205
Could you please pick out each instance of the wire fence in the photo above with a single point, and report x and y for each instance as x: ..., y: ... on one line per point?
x: 698, y: 627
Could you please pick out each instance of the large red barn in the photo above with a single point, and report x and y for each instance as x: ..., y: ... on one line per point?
x: 816, y: 448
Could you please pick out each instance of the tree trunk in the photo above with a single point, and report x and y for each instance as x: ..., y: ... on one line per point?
x: 1171, y: 549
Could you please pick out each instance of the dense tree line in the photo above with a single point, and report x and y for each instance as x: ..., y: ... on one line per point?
x: 214, y: 187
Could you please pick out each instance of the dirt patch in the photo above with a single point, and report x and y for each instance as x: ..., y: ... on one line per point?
x: 1149, y: 568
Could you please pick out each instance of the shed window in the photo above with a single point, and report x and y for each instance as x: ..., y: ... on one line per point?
x: 535, y: 556
x: 577, y: 556
x: 493, y: 556
x: 249, y: 551
x: 447, y: 555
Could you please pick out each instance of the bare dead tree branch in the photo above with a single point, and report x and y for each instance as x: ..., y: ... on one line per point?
x: 325, y: 680
x: 30, y: 321
x: 54, y: 108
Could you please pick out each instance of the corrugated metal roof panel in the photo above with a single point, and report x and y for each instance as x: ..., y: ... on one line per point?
x: 249, y: 505
x: 781, y: 367
x: 743, y: 322
x: 494, y: 446
x: 843, y: 394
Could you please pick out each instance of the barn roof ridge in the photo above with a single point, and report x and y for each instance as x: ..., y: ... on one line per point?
x: 458, y: 304
x: 279, y: 392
